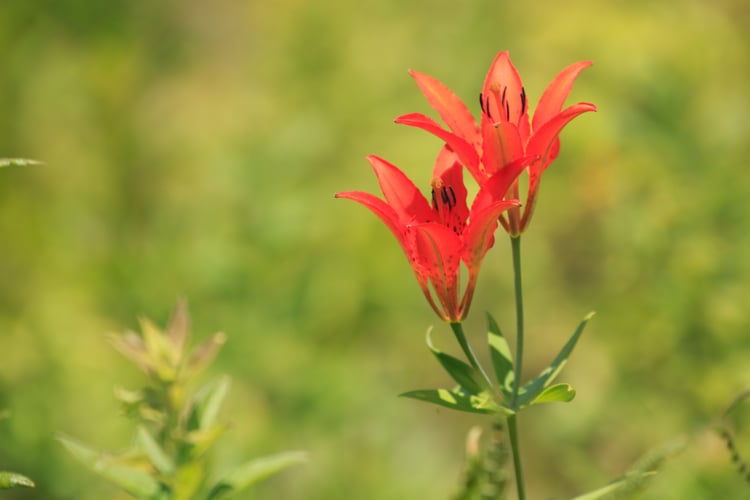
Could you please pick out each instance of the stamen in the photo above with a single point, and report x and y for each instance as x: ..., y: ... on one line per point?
x: 453, y: 195
x: 507, y: 111
x: 523, y: 100
x: 434, y: 200
x: 502, y: 97
x: 481, y: 102
x: 446, y: 198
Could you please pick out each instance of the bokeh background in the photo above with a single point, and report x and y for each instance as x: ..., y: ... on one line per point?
x: 192, y: 149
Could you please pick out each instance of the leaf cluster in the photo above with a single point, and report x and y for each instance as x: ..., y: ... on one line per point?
x: 476, y: 393
x: 175, y: 428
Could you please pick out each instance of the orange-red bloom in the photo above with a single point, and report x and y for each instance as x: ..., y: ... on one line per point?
x: 504, y: 135
x: 437, y: 237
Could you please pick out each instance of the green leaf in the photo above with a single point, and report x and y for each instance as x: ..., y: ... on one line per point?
x: 207, y: 404
x: 502, y: 360
x: 188, y: 480
x: 135, y: 481
x: 201, y: 440
x: 608, y: 491
x: 178, y: 329
x: 154, y: 452
x: 455, y: 400
x: 253, y: 471
x: 132, y: 347
x: 464, y: 375
x: 202, y: 355
x: 19, y: 162
x: 557, y: 392
x: 639, y: 475
x: 532, y: 389
x: 12, y: 479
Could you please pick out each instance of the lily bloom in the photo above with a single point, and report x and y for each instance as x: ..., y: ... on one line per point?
x: 504, y: 134
x: 438, y: 236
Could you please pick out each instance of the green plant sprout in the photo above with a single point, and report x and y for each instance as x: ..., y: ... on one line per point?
x: 175, y: 429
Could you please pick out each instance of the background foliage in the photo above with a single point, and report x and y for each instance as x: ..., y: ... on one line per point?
x: 192, y: 149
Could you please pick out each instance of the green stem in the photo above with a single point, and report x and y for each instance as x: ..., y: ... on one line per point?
x: 515, y: 451
x: 515, y: 243
x: 458, y: 331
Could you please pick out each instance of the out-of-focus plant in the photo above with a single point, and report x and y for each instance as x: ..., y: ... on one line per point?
x: 175, y: 427
x: 730, y: 425
x: 13, y: 479
x: 6, y: 162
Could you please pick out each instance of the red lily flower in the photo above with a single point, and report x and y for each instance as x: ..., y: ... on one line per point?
x: 437, y: 237
x: 504, y: 134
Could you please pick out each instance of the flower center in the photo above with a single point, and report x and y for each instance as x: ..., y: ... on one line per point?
x: 443, y: 202
x: 496, y: 103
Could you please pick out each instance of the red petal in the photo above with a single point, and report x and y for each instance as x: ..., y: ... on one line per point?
x: 382, y: 210
x: 439, y: 251
x: 503, y: 80
x: 400, y: 192
x: 478, y: 236
x: 496, y: 187
x: 465, y: 151
x: 542, y: 142
x: 446, y: 160
x: 451, y: 109
x: 557, y: 91
x: 501, y: 145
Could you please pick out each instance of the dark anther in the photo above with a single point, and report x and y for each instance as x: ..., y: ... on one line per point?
x: 446, y: 198
x: 434, y: 199
x: 507, y: 111
x: 484, y: 103
x: 502, y: 98
x: 453, y: 195
x: 523, y: 100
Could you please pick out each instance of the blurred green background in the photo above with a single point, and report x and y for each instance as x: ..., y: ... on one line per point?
x: 193, y: 148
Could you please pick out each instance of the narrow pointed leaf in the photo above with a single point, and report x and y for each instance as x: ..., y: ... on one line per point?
x: 202, y: 440
x: 154, y: 452
x: 502, y: 360
x: 12, y: 479
x: 207, y: 404
x: 639, y: 474
x: 178, y: 329
x: 132, y: 347
x: 455, y: 400
x: 608, y: 491
x: 464, y: 375
x: 557, y: 392
x: 153, y: 338
x: 253, y: 471
x: 205, y: 353
x: 160, y: 351
x: 532, y: 389
x: 19, y: 162
x: 135, y: 481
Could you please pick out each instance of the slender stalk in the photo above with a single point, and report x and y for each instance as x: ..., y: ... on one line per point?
x: 515, y: 243
x: 458, y: 331
x: 515, y: 451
